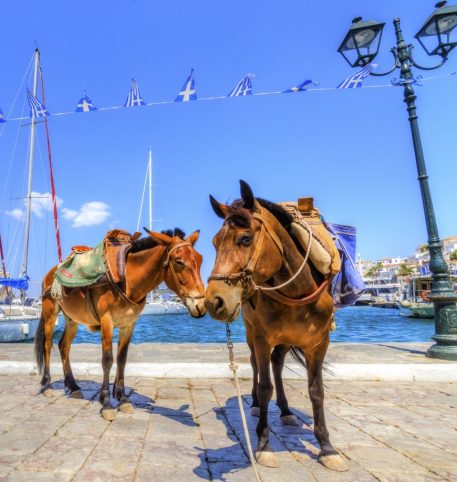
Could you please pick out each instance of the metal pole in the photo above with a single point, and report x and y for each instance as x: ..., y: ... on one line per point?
x: 150, y: 189
x: 29, y: 184
x: 442, y: 295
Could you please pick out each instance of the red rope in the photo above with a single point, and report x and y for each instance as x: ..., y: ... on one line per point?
x: 53, y: 189
x: 3, y: 258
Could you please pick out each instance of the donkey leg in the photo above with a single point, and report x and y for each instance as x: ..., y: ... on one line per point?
x: 255, y: 410
x: 71, y: 328
x: 264, y: 453
x: 107, y: 411
x: 119, y: 388
x: 277, y: 362
x: 328, y: 456
x: 43, y: 343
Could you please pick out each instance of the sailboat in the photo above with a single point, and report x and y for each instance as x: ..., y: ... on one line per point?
x: 160, y: 301
x: 19, y: 318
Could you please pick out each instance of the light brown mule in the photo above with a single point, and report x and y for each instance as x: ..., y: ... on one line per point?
x: 255, y: 251
x: 153, y: 259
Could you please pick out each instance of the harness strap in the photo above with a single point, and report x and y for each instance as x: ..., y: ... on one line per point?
x: 286, y: 300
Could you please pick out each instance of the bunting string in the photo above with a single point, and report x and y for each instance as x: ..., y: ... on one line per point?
x: 188, y: 93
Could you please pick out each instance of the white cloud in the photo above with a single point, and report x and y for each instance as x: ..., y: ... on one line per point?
x: 17, y: 213
x: 41, y: 202
x: 89, y: 214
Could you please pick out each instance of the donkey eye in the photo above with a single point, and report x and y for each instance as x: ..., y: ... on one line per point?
x: 245, y: 240
x: 179, y: 263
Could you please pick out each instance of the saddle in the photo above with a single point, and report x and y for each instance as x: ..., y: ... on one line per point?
x: 86, y: 266
x: 323, y: 253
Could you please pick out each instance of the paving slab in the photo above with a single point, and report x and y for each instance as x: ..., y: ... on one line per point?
x: 190, y: 430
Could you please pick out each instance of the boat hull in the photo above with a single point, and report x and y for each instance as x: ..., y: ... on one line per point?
x: 417, y: 310
x: 164, y: 309
x: 18, y: 330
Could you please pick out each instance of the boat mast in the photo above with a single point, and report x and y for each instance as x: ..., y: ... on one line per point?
x: 29, y: 184
x: 150, y: 188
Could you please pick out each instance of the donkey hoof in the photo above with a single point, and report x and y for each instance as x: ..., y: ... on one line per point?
x: 48, y: 392
x: 77, y: 394
x: 109, y: 414
x: 289, y: 420
x: 126, y: 407
x: 255, y: 411
x: 267, y: 458
x: 334, y: 462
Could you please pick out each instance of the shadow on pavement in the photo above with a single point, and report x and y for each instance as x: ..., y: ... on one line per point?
x: 234, y: 457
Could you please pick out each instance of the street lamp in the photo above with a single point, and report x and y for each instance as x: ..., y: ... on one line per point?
x: 437, y: 37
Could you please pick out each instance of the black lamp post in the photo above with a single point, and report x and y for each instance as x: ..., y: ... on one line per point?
x: 437, y: 36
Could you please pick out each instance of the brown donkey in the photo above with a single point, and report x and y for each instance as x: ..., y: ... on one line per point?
x: 151, y: 260
x: 255, y: 251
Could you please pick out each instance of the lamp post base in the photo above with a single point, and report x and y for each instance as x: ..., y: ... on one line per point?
x: 443, y: 352
x: 446, y: 333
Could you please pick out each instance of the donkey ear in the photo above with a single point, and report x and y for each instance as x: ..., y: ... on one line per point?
x: 220, y: 209
x: 247, y: 195
x: 160, y: 238
x: 192, y: 238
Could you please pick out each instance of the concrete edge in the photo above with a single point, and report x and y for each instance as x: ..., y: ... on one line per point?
x: 407, y: 372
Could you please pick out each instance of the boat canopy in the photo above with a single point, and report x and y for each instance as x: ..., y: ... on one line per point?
x: 17, y: 283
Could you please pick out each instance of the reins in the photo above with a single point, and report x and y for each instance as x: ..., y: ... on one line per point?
x: 245, y: 275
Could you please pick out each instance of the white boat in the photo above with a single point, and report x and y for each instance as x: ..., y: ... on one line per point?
x: 19, y: 318
x: 380, y: 292
x: 160, y: 306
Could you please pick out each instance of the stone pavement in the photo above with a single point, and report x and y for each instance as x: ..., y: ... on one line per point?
x: 190, y: 429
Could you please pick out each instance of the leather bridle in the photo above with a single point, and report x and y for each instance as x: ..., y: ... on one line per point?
x: 244, y: 276
x: 168, y: 264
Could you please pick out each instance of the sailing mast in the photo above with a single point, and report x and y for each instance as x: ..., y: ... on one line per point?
x: 29, y: 184
x: 150, y: 188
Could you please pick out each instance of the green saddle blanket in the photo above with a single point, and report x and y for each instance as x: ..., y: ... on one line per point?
x: 82, y: 269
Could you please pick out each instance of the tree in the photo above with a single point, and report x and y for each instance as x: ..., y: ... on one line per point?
x: 423, y: 248
x: 374, y: 270
x: 404, y: 270
x: 453, y: 255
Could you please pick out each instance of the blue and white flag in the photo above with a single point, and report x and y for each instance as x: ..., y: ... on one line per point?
x: 244, y: 87
x: 85, y: 105
x: 37, y: 109
x: 300, y: 87
x: 355, y: 80
x: 188, y: 91
x: 2, y: 117
x: 134, y: 97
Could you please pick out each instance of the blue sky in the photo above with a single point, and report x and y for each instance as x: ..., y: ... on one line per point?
x: 351, y: 150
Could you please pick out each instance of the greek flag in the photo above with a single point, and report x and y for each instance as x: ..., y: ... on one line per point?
x: 134, y: 97
x: 300, y: 87
x: 2, y: 117
x: 188, y: 91
x: 37, y: 109
x: 85, y: 105
x: 355, y: 80
x: 244, y: 86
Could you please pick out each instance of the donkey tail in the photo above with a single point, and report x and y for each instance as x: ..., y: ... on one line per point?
x: 39, y: 344
x: 298, y: 355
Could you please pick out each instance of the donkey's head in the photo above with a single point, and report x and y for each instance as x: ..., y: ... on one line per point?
x: 243, y: 251
x: 181, y: 268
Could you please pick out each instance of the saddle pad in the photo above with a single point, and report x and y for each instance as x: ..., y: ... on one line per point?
x: 323, y: 253
x: 82, y: 268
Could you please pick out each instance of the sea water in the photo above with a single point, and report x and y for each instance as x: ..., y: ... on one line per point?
x: 353, y: 324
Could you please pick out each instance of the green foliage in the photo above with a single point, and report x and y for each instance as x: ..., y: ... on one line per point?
x: 453, y: 255
x: 374, y: 270
x: 405, y: 270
